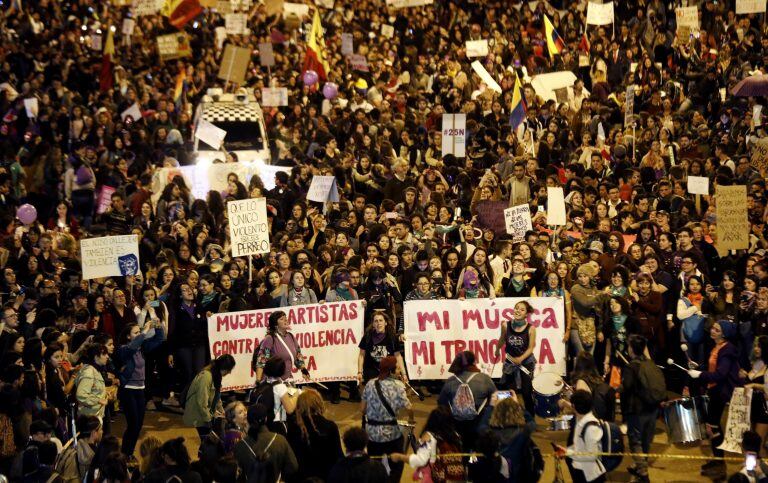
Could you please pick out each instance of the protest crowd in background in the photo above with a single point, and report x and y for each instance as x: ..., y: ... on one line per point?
x: 544, y: 193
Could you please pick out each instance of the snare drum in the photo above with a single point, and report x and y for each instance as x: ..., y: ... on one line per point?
x: 561, y: 423
x: 547, y: 387
x: 685, y: 419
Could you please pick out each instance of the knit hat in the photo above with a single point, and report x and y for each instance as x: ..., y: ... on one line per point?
x: 586, y: 269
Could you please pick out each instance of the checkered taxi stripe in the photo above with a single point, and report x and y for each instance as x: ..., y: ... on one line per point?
x: 229, y: 111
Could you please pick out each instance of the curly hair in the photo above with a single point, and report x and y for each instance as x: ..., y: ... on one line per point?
x: 309, y: 405
x: 507, y: 412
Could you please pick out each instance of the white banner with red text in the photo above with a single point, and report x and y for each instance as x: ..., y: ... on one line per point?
x: 327, y: 333
x: 437, y: 330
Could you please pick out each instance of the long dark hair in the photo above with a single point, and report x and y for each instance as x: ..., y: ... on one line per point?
x: 585, y: 369
x: 222, y: 363
x: 273, y: 318
x: 762, y: 342
x: 440, y: 424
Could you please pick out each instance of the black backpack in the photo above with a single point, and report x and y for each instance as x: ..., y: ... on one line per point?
x: 611, y: 442
x: 529, y: 462
x: 653, y: 386
x: 264, y: 393
x: 260, y: 469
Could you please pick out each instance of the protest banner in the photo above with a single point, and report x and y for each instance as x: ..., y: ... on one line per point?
x: 759, y: 159
x: 236, y: 23
x: 210, y: 134
x: 32, y: 107
x: 732, y: 223
x: 133, y: 112
x: 248, y: 227
x: 266, y: 54
x: 600, y: 14
x: 739, y: 420
x: 104, y: 199
x: 358, y: 62
x: 173, y: 46
x: 327, y: 333
x: 485, y: 76
x: 436, y: 330
x: 555, y: 206
x: 322, y: 189
x: 476, y: 48
x: 454, y: 134
x: 698, y: 185
x: 347, y: 44
x: 234, y: 64
x: 146, y: 7
x: 298, y: 9
x: 688, y: 17
x: 398, y: 4
x: 518, y: 221
x: 274, y: 96
x: 744, y: 7
x: 109, y: 256
x: 490, y: 215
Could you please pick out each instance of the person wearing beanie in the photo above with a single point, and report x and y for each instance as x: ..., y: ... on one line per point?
x: 261, y: 444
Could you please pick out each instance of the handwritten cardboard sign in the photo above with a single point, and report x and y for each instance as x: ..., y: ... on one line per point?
x: 477, y: 48
x: 732, y: 221
x: 248, y: 226
x: 518, y: 221
x: 274, y: 96
x: 173, y: 46
x: 234, y: 64
x: 454, y: 135
x: 698, y: 185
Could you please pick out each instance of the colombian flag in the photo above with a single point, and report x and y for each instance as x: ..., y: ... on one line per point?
x: 555, y: 44
x: 181, y: 83
x: 314, y: 58
x: 179, y: 12
x: 584, y: 45
x: 519, y: 107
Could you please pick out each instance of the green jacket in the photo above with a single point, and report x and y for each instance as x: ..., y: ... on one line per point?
x: 90, y: 391
x: 202, y: 400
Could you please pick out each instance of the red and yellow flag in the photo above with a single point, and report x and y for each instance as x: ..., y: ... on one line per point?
x: 314, y: 58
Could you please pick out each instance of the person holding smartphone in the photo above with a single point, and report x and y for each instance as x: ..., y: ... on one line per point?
x: 755, y: 469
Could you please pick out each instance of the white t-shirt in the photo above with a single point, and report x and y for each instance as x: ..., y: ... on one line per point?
x: 279, y: 390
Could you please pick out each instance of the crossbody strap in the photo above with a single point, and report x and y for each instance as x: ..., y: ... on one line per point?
x: 290, y: 354
x: 384, y: 402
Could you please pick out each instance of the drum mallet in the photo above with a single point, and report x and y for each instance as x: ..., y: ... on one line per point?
x: 692, y: 364
x: 672, y: 363
x: 618, y: 353
x: 418, y: 394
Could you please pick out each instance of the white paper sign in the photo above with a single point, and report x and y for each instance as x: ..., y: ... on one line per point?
x: 31, y: 106
x: 266, y: 54
x: 388, y: 31
x: 397, y: 4
x: 555, y: 206
x: 749, y: 6
x: 96, y: 42
x: 298, y: 9
x: 211, y: 135
x: 109, y: 256
x: 248, y: 226
x: 347, y: 44
x: 518, y: 221
x: 757, y: 117
x: 600, y: 14
x: 687, y: 17
x: 698, y: 185
x: 274, y: 96
x: 236, y: 23
x: 133, y: 112
x: 146, y: 7
x: 454, y: 135
x: 325, y: 3
x: 485, y: 76
x: 477, y: 48
x: 128, y: 25
x: 322, y: 189
x: 739, y: 420
x: 437, y: 330
x: 629, y: 105
x: 358, y: 62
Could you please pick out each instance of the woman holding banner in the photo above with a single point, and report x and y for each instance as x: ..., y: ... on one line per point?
x: 279, y: 342
x: 518, y: 338
x: 379, y: 341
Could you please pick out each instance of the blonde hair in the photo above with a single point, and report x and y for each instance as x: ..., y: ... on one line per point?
x: 507, y: 412
x: 230, y: 410
x: 308, y: 405
x: 148, y: 451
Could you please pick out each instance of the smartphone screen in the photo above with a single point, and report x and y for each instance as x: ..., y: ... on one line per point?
x: 503, y: 395
x: 750, y: 461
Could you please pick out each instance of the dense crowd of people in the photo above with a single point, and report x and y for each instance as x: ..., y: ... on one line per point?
x: 637, y: 263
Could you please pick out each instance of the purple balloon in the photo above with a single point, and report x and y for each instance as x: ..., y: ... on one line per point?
x: 27, y: 214
x: 330, y: 91
x: 310, y: 78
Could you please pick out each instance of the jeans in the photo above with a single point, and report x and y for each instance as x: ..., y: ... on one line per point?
x: 515, y: 378
x: 640, y: 429
x: 388, y: 447
x: 715, y: 414
x: 191, y: 360
x: 134, y: 406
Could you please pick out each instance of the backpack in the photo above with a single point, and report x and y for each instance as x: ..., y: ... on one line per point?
x: 264, y: 393
x: 604, y: 402
x: 463, y: 404
x: 611, y: 442
x: 693, y: 326
x: 7, y: 444
x: 653, y: 387
x: 447, y: 468
x: 260, y: 469
x: 527, y: 462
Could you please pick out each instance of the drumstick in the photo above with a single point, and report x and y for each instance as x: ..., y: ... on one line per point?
x: 684, y: 348
x: 618, y: 353
x: 672, y: 363
x: 418, y: 394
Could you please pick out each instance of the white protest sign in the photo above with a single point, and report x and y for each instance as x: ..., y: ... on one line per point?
x: 629, y: 105
x: 517, y: 219
x: 347, y: 44
x: 397, y: 4
x: 322, y: 189
x: 757, y: 117
x: 485, y: 76
x: 96, y: 42
x: 211, y: 135
x: 387, y: 31
x: 454, y: 135
x: 133, y: 112
x: 248, y: 226
x: 739, y: 420
x: 477, y: 48
x: 266, y: 54
x: 600, y: 13
x: 236, y: 23
x: 358, y: 62
x: 274, y: 96
x: 749, y: 6
x: 437, y: 330
x: 698, y: 185
x: 31, y: 106
x: 555, y: 206
x: 687, y: 17
x: 298, y: 9
x: 325, y: 3
x: 328, y: 335
x: 109, y: 256
x: 129, y: 25
x: 146, y: 7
